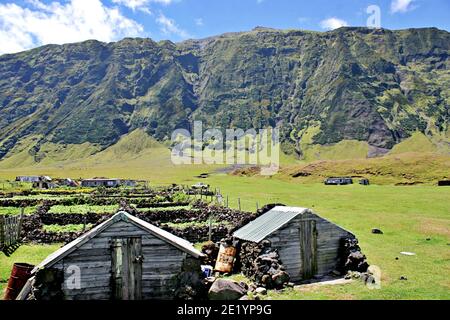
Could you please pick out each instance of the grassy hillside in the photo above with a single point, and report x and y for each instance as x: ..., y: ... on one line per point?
x: 135, y: 156
x: 139, y: 156
x: 407, y: 215
x: 419, y: 143
x: 374, y: 87
x: 405, y: 168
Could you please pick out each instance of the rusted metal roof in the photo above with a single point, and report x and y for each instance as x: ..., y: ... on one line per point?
x: 271, y: 221
x: 58, y: 255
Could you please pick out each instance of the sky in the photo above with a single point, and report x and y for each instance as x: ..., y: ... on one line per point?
x: 25, y: 24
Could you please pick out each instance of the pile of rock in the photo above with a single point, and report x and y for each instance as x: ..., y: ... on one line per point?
x: 269, y: 207
x: 198, y: 233
x: 72, y: 218
x: 235, y: 218
x: 262, y: 264
x: 189, y: 282
x: 351, y: 257
x: 172, y: 216
x: 47, y: 285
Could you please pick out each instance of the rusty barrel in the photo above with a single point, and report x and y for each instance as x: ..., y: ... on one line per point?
x: 20, y: 274
x: 225, y: 259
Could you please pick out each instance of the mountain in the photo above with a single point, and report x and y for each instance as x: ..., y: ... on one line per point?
x: 354, y: 88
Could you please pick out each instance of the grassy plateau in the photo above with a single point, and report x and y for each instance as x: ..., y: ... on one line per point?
x: 414, y: 218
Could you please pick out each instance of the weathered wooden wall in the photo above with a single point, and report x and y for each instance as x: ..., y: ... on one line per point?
x: 287, y: 241
x: 291, y: 239
x: 328, y: 242
x: 162, y: 263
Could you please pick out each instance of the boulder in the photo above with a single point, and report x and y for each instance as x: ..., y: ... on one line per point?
x: 261, y: 291
x: 377, y: 231
x: 226, y: 290
x: 280, y: 279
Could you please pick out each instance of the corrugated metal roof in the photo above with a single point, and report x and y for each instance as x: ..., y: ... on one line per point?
x: 271, y: 221
x: 59, y: 254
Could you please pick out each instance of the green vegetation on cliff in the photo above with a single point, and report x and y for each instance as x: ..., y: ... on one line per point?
x: 378, y: 87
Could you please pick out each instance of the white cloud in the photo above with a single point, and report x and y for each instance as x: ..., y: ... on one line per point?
x: 166, y: 2
x: 333, y: 23
x: 169, y: 26
x: 23, y: 28
x: 137, y: 4
x: 141, y: 5
x: 199, y: 22
x: 402, y: 6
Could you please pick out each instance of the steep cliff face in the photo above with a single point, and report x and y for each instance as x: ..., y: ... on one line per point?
x: 377, y: 86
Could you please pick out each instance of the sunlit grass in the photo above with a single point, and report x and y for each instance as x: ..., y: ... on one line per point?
x: 66, y: 228
x: 83, y: 209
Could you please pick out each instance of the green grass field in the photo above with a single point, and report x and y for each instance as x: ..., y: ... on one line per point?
x: 32, y: 254
x: 407, y: 215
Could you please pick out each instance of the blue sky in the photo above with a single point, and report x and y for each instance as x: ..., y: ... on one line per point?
x: 219, y: 16
x: 25, y: 24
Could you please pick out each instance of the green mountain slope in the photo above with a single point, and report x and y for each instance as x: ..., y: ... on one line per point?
x: 352, y: 86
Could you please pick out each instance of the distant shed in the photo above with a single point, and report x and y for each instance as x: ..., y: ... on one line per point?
x: 28, y: 178
x: 123, y: 258
x: 338, y: 181
x: 100, y: 182
x: 108, y: 183
x: 308, y: 244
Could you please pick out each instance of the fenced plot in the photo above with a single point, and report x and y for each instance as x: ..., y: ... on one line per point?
x: 10, y: 233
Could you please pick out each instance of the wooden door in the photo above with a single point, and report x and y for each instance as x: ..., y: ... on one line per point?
x: 308, y: 246
x: 127, y: 268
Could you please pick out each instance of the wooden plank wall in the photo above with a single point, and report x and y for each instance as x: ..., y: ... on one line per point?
x: 328, y: 242
x: 308, y: 246
x: 288, y: 242
x: 9, y: 230
x: 162, y: 263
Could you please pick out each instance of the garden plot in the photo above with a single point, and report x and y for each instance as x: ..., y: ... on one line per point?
x: 55, y: 228
x: 57, y: 224
x: 63, y: 215
x: 15, y: 210
x: 83, y: 209
x: 172, y: 208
